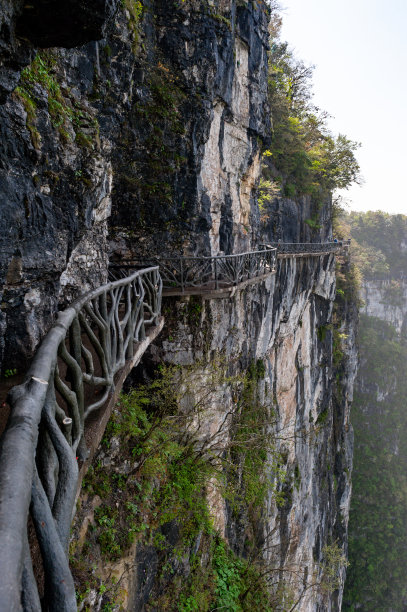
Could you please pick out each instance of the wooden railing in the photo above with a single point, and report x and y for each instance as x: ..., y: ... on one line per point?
x: 71, y: 376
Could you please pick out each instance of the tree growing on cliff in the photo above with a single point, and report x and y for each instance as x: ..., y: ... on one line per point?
x: 304, y: 156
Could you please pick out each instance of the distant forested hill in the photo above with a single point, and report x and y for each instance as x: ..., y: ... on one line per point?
x: 376, y: 577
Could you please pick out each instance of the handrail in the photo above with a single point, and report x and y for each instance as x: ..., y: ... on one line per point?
x: 71, y: 376
x: 288, y: 248
x: 208, y: 273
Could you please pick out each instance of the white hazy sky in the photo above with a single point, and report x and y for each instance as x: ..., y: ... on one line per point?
x: 359, y: 48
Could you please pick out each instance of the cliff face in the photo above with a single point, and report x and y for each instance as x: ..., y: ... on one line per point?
x: 386, y: 300
x: 172, y: 104
x: 148, y: 142
x: 287, y: 326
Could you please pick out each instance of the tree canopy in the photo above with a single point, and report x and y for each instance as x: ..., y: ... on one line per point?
x: 307, y: 157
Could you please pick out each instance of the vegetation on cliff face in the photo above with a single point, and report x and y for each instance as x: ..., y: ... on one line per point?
x: 304, y: 157
x: 69, y: 117
x: 150, y: 483
x: 147, y: 498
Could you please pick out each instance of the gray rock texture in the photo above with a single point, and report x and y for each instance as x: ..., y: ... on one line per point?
x: 146, y: 140
x: 44, y: 24
x: 151, y: 134
x: 387, y: 300
x: 286, y: 322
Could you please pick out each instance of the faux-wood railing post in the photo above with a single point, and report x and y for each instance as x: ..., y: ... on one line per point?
x: 235, y: 269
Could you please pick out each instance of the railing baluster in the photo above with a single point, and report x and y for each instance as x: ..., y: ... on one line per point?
x: 181, y: 274
x: 143, y: 305
x: 129, y: 328
x: 181, y: 263
x: 59, y: 588
x: 55, y: 393
x: 30, y: 596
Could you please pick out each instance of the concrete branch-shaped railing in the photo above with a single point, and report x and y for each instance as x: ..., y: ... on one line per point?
x: 209, y: 273
x: 308, y: 248
x: 72, y: 375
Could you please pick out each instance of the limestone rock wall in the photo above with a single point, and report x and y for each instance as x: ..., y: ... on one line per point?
x: 386, y: 300
x: 146, y: 140
x: 286, y: 321
x: 148, y: 136
x: 25, y: 26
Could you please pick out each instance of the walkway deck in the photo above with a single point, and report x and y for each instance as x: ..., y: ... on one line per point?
x: 218, y: 276
x: 308, y: 249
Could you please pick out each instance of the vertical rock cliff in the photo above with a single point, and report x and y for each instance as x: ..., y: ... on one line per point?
x: 172, y: 103
x: 147, y: 140
x: 285, y: 336
x: 386, y: 299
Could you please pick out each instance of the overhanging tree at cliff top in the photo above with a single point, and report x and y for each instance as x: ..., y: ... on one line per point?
x: 307, y: 157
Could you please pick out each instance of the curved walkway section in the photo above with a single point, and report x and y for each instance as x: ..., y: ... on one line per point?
x: 212, y: 276
x: 74, y: 373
